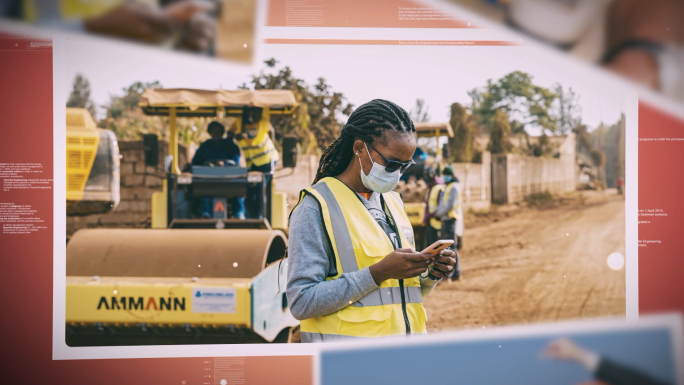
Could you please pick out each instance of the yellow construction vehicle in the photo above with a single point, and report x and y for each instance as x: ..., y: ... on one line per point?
x: 92, y: 165
x: 188, y: 280
x: 414, y: 192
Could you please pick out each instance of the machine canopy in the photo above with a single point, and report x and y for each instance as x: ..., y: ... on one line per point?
x: 193, y: 102
x: 427, y: 130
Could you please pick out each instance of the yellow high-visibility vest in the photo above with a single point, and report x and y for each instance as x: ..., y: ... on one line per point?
x: 433, y: 204
x: 357, y: 241
x: 456, y: 211
x: 260, y: 150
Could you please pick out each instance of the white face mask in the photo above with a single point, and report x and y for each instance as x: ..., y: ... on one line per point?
x: 378, y: 179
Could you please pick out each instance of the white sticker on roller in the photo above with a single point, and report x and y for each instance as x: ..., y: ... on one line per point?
x: 213, y: 300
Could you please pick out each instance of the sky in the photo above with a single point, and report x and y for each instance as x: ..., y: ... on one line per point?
x: 402, y: 74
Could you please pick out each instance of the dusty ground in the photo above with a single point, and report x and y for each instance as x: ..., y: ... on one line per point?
x: 541, y: 261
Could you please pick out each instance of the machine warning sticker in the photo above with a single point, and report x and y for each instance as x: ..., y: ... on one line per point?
x: 213, y: 300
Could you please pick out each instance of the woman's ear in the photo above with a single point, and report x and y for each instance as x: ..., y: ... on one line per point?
x: 358, y: 147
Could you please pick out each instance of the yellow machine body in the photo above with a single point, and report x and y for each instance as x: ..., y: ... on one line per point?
x: 92, y: 165
x: 82, y: 140
x: 415, y: 212
x: 159, y: 208
x: 113, y: 300
x: 190, y: 278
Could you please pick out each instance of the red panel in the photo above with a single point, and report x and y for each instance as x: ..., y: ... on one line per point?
x: 26, y: 272
x: 661, y: 186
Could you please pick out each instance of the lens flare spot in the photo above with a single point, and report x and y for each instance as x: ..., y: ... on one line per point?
x: 616, y: 261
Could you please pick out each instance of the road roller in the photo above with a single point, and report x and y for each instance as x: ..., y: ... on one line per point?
x: 189, y: 279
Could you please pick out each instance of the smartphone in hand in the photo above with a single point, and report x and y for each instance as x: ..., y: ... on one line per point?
x: 438, y: 246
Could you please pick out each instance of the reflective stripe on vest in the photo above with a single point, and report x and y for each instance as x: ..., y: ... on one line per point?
x: 308, y: 337
x: 344, y: 250
x: 260, y: 150
x: 320, y: 337
x: 258, y: 155
x: 390, y: 295
x: 357, y: 241
x: 433, y: 204
x: 258, y: 146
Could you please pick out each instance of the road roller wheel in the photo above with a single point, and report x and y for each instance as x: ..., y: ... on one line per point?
x: 173, y: 252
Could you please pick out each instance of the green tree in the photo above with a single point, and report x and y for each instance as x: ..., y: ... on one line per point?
x: 316, y: 121
x: 499, y: 134
x: 540, y: 147
x: 128, y: 122
x: 567, y: 110
x: 526, y: 104
x: 119, y: 105
x: 462, y: 144
x: 80, y: 95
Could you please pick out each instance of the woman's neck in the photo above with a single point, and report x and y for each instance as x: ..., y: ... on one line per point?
x: 352, y: 178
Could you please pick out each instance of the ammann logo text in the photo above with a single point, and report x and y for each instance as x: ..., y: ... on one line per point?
x: 141, y: 303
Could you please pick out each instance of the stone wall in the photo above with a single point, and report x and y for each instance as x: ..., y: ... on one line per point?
x: 476, y: 181
x: 515, y: 177
x: 138, y: 183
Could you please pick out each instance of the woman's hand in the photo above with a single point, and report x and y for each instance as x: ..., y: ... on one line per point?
x: 400, y: 264
x: 444, y: 264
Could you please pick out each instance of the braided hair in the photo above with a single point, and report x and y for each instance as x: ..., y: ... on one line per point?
x: 368, y: 121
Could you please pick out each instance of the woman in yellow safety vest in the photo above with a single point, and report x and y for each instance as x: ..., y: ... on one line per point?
x: 353, y: 269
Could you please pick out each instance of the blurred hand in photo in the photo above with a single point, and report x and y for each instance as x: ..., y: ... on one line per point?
x: 188, y: 21
x: 603, y: 369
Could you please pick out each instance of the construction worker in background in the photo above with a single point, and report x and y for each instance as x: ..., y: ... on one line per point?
x: 450, y: 211
x: 369, y: 282
x: 260, y: 155
x: 434, y: 195
x: 219, y: 152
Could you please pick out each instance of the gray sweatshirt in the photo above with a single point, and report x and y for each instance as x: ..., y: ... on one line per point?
x: 308, y: 293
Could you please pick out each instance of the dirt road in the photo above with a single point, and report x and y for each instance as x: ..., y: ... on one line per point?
x: 537, y: 264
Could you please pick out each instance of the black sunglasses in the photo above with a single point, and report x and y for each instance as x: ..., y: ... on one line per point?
x: 393, y: 165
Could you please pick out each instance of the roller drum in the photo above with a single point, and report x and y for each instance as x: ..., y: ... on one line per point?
x: 173, y: 253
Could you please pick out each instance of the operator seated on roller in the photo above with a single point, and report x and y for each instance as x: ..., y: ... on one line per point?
x: 255, y: 132
x: 219, y: 152
x: 369, y: 281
